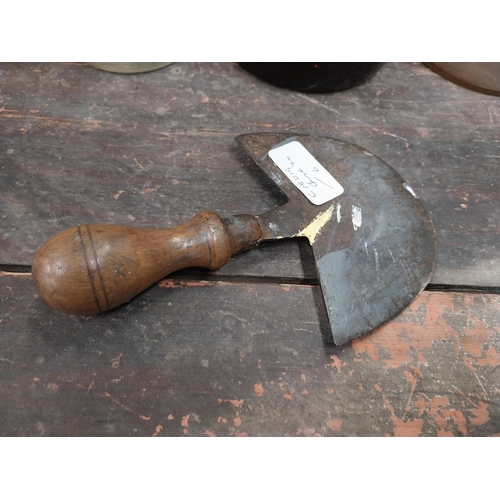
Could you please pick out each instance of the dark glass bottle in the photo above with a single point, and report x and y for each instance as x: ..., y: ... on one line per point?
x: 313, y: 77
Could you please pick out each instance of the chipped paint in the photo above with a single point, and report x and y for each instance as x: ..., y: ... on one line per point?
x: 237, y: 403
x: 335, y: 425
x: 339, y: 215
x: 491, y: 358
x: 402, y: 427
x: 337, y: 362
x: 314, y: 228
x: 311, y: 432
x: 157, y: 431
x: 258, y: 389
x: 420, y: 364
x: 429, y: 311
x: 445, y: 418
x: 409, y: 428
x: 435, y: 319
x: 357, y: 217
x: 481, y: 414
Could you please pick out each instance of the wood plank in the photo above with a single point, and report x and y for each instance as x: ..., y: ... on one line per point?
x: 245, y: 359
x: 80, y: 145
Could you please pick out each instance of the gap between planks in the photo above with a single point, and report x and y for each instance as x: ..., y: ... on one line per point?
x: 188, y: 277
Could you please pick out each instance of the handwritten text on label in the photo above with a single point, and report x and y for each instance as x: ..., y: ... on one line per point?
x: 305, y: 172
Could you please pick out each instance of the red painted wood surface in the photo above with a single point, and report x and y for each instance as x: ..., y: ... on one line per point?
x: 258, y: 364
x: 246, y: 350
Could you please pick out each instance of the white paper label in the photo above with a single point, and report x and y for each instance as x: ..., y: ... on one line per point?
x: 305, y: 172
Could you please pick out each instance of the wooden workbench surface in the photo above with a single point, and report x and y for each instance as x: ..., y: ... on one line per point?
x: 244, y: 351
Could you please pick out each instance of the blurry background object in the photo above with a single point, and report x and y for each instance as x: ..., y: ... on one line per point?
x: 313, y: 77
x: 129, y: 67
x: 480, y: 76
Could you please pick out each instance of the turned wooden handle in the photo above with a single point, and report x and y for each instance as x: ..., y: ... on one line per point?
x: 92, y: 268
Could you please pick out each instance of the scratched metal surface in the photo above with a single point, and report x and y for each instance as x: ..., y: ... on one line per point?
x: 375, y: 248
x: 81, y: 145
x: 234, y: 359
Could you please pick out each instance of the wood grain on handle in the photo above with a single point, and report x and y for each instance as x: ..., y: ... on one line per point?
x: 92, y: 268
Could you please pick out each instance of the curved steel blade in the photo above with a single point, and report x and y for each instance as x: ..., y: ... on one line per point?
x: 374, y: 246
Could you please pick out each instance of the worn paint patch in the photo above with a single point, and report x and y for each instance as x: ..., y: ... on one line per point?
x: 435, y: 321
x: 157, y: 431
x: 259, y: 390
x: 314, y: 228
x: 238, y: 403
x: 409, y: 428
x: 442, y: 416
x: 491, y: 357
x: 337, y: 362
x: 335, y: 425
x: 481, y: 414
x: 402, y: 427
x: 445, y: 418
x: 401, y: 341
x: 309, y: 432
